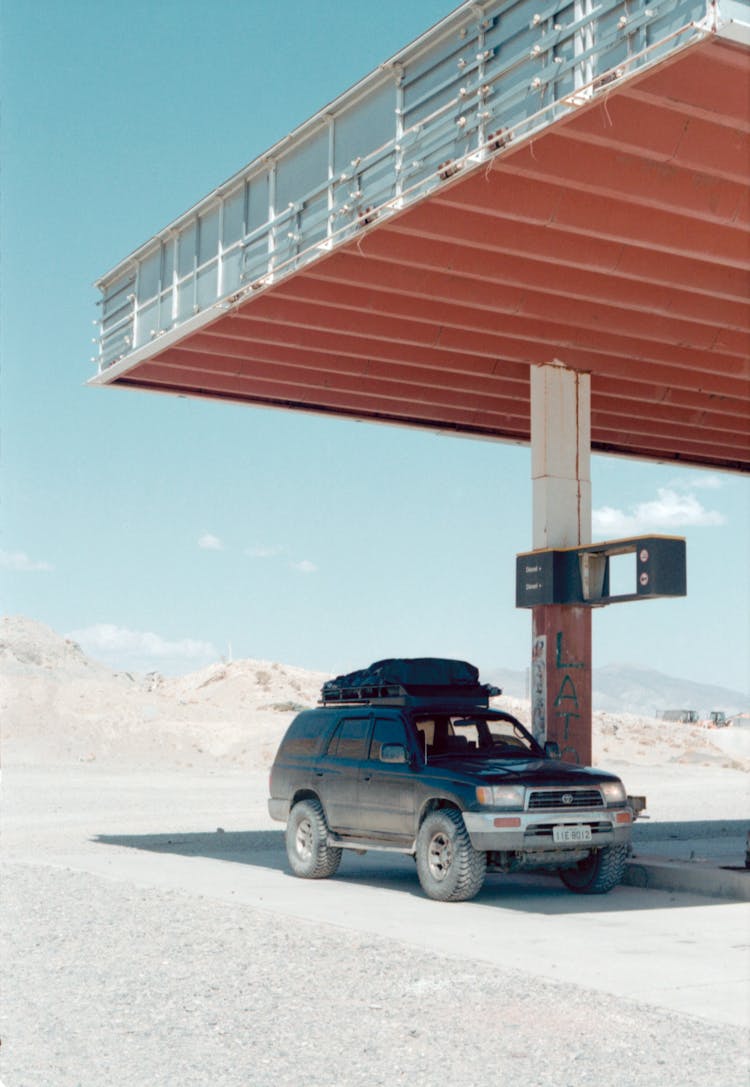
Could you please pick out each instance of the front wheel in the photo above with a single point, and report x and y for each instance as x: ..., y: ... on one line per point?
x: 306, y: 837
x: 598, y: 873
x: 450, y: 869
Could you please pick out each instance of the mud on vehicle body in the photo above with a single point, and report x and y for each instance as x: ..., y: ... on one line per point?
x: 408, y: 756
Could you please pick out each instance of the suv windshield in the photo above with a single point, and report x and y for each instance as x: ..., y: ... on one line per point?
x: 474, y: 735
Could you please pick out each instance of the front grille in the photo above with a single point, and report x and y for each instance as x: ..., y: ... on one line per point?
x: 553, y: 798
x: 545, y: 830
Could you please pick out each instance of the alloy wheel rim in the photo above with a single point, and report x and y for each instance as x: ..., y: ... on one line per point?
x: 303, y: 839
x: 440, y: 856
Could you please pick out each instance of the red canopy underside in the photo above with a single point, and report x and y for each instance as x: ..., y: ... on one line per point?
x: 616, y: 241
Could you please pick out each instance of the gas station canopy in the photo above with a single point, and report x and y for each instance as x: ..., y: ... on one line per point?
x: 526, y: 182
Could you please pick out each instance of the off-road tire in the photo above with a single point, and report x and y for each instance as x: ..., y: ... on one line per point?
x: 306, y: 837
x: 450, y: 869
x: 598, y: 873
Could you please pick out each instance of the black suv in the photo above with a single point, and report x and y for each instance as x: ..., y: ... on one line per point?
x: 407, y: 756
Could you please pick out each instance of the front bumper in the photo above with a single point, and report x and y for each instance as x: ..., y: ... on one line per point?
x: 530, y: 832
x: 278, y: 809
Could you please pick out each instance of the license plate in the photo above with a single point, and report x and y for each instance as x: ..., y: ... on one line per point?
x: 566, y: 835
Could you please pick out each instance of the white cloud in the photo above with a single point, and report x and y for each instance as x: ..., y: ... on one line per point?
x: 304, y: 567
x: 704, y: 481
x: 668, y: 511
x: 142, y: 651
x: 20, y: 561
x: 209, y: 542
x: 263, y: 552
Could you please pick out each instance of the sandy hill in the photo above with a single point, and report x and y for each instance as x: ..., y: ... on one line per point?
x: 29, y: 648
x: 59, y: 706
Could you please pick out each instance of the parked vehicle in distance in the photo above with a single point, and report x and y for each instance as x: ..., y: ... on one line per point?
x: 407, y: 756
x: 683, y: 717
x: 714, y: 719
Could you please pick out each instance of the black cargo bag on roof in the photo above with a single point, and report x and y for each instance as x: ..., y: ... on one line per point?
x: 418, y: 675
x: 427, y: 672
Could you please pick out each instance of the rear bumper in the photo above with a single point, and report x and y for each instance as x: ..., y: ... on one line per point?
x: 530, y: 832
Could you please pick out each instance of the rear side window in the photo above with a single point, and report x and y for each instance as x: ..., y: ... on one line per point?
x: 348, y: 741
x: 388, y: 730
x: 303, y: 737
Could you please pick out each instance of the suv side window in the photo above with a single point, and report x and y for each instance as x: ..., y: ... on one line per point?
x: 348, y: 741
x: 303, y: 738
x: 388, y: 730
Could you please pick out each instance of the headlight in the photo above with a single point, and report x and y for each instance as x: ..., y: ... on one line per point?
x: 613, y: 793
x: 506, y: 797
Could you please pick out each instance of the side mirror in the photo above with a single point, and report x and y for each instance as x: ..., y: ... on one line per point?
x: 393, y: 753
x: 551, y: 749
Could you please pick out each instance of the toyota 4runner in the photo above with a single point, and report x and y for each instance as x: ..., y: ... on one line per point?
x: 407, y: 756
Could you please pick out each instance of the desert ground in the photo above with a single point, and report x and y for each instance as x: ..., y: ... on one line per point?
x: 154, y: 936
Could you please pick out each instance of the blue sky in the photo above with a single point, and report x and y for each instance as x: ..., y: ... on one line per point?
x: 162, y: 533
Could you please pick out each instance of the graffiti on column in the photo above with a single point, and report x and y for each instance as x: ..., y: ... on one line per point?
x: 539, y: 689
x: 566, y: 700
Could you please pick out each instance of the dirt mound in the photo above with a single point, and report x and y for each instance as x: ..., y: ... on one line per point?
x: 28, y: 647
x: 263, y: 684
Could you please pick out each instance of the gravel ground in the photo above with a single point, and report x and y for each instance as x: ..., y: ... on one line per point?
x: 110, y: 983
x: 126, y: 968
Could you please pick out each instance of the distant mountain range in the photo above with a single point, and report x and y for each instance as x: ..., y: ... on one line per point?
x: 623, y: 688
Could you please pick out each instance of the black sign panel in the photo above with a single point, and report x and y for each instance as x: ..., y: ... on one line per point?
x: 580, y: 575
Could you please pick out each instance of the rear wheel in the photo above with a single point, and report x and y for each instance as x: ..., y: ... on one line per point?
x: 598, y: 873
x: 306, y: 837
x: 449, y: 868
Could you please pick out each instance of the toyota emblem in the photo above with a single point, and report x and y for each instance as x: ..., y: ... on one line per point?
x: 567, y: 798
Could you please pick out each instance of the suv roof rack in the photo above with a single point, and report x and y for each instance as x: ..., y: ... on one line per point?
x: 449, y: 697
x: 363, y: 693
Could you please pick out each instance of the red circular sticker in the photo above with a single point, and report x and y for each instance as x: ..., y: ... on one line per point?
x: 643, y: 556
x: 644, y: 579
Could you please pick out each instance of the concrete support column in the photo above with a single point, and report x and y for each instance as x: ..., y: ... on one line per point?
x: 561, y: 475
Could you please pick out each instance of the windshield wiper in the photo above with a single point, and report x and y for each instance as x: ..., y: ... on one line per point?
x: 514, y: 749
